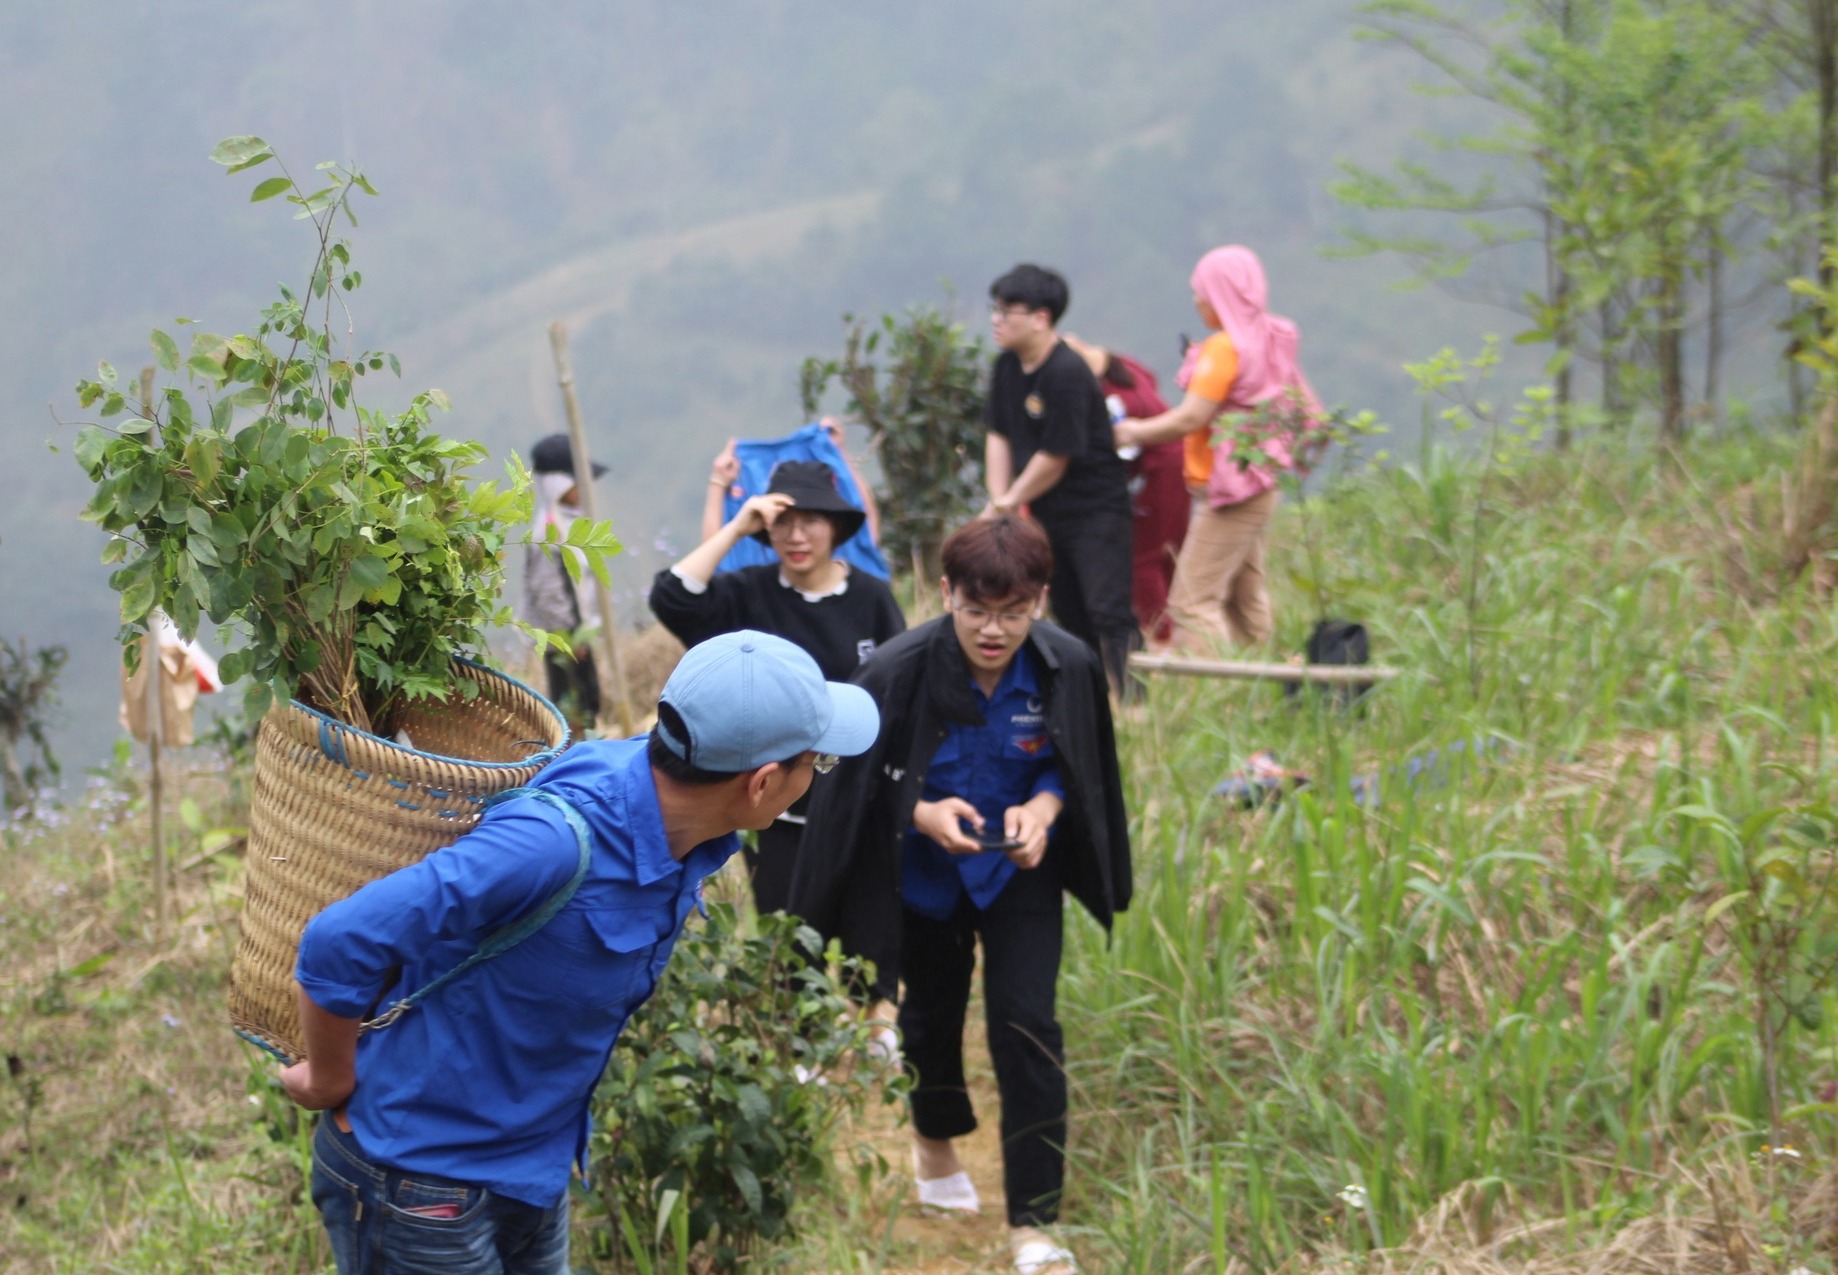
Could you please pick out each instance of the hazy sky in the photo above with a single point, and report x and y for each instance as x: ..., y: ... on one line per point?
x: 699, y: 191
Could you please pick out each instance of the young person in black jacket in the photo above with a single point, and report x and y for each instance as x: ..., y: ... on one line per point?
x: 808, y: 597
x: 995, y: 726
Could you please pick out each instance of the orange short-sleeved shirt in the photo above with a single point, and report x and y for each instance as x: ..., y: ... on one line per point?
x: 1212, y: 379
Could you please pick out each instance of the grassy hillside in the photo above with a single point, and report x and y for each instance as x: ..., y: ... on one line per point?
x: 1555, y: 1000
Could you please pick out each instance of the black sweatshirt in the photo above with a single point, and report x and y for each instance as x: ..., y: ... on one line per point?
x: 839, y: 630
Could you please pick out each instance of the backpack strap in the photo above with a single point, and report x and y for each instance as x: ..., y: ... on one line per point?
x: 500, y: 941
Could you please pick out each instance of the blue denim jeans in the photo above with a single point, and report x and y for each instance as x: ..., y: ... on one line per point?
x: 382, y: 1221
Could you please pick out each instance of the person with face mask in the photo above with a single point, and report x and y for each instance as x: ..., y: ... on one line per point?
x: 551, y: 599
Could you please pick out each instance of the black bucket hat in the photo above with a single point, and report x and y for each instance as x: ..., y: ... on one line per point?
x: 555, y: 455
x: 812, y: 485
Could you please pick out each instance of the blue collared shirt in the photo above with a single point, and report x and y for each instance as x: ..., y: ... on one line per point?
x: 999, y: 764
x: 487, y: 1081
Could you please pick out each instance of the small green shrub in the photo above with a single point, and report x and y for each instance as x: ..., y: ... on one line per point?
x: 702, y: 1112
x: 27, y: 690
x: 922, y: 402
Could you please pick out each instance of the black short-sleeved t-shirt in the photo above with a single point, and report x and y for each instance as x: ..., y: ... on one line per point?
x: 840, y: 630
x: 1059, y: 409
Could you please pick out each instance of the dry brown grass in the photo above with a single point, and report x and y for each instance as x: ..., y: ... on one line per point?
x: 649, y: 655
x: 125, y: 1114
x: 1713, y: 1223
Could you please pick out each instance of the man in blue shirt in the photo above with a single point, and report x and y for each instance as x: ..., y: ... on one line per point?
x: 451, y: 1134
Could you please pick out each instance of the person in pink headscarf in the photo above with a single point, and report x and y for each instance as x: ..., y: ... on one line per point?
x: 1245, y: 377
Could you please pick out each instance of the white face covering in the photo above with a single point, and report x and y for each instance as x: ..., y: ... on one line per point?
x: 550, y: 489
x: 550, y: 511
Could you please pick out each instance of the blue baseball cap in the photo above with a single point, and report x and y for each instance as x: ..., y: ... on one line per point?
x: 747, y: 698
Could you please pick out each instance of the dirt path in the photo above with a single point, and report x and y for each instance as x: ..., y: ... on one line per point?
x: 949, y: 1245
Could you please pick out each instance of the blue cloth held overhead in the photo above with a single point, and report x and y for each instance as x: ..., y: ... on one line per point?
x: 757, y: 457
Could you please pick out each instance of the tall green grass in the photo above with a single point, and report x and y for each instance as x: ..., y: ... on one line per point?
x: 1531, y: 984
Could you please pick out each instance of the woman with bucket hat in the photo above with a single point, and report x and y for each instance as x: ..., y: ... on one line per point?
x: 808, y: 596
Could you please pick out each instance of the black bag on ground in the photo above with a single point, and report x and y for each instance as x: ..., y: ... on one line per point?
x: 1337, y: 642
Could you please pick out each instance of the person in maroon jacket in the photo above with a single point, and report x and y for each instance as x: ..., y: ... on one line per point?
x: 1159, y: 504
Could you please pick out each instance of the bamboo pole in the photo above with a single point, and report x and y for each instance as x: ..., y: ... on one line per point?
x: 1327, y: 673
x: 156, y: 724
x: 583, y: 465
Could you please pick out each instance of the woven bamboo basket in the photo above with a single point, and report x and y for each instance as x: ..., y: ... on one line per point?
x: 334, y: 808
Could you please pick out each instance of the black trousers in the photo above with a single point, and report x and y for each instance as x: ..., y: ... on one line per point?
x: 769, y: 863
x: 1093, y: 567
x: 1021, y: 933
x: 574, y: 685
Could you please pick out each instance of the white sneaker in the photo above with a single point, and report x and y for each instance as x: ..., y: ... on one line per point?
x: 1037, y: 1257
x: 955, y: 1194
x: 884, y: 1047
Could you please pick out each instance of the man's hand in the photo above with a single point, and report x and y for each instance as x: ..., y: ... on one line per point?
x: 1123, y: 433
x: 327, y: 1075
x: 760, y: 512
x: 939, y: 821
x: 310, y: 1090
x: 1029, y: 824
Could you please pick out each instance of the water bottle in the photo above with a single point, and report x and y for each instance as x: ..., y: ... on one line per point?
x: 1129, y: 451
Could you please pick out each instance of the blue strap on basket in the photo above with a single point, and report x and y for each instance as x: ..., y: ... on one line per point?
x: 501, y: 941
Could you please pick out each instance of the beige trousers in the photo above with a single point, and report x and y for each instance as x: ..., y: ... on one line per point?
x: 1218, y: 593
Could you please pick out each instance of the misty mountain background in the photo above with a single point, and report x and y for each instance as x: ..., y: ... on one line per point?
x: 699, y: 191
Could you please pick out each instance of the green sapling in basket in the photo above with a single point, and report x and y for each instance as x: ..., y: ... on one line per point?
x: 260, y: 487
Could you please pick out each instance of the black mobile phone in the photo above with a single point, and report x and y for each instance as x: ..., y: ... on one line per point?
x: 990, y: 838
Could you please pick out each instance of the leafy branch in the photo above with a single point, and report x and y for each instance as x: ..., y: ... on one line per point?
x: 343, y: 541
x: 922, y: 402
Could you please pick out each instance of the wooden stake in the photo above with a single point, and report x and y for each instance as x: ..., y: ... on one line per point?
x: 1329, y: 673
x: 925, y: 590
x: 583, y: 464
x: 156, y: 724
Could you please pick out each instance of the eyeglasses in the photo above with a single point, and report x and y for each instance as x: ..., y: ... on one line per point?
x: 1007, y: 621
x: 1009, y: 311
x: 797, y: 520
x: 824, y: 763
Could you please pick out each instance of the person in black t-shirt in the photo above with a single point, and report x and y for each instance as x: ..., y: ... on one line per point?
x: 1050, y: 449
x: 808, y: 596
